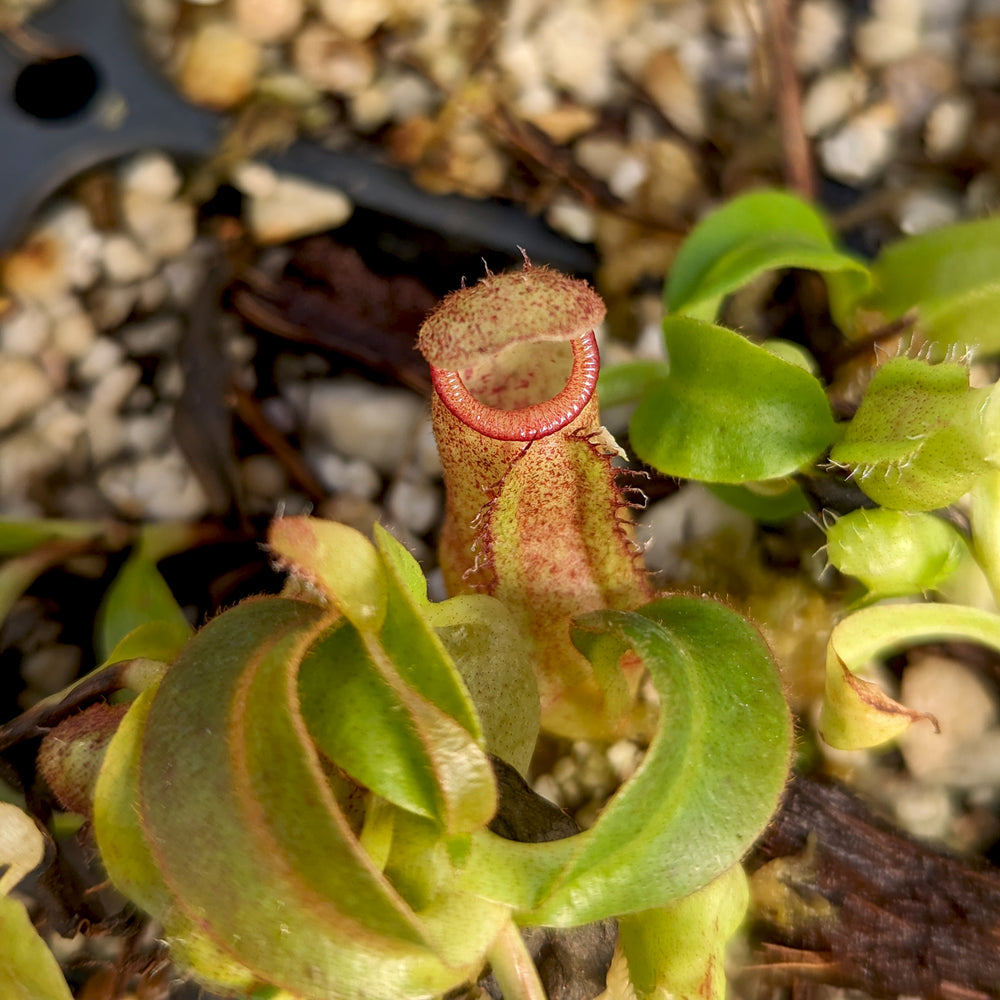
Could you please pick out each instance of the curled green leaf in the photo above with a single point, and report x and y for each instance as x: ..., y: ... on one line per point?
x: 856, y: 712
x: 729, y: 411
x: 708, y: 785
x: 757, y: 232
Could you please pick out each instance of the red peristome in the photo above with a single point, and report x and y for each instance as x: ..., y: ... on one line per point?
x: 530, y: 422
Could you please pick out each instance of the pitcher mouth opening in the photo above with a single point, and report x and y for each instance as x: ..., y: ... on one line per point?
x: 527, y: 423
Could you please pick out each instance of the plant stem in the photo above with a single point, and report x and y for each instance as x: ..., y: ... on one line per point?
x: 515, y: 972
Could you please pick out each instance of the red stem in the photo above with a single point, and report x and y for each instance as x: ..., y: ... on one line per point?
x: 529, y: 422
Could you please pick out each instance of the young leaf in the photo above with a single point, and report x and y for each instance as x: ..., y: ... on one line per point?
x: 895, y: 553
x: 678, y: 950
x: 757, y: 232
x: 729, y: 411
x: 28, y: 970
x: 921, y: 437
x: 950, y: 277
x: 708, y: 785
x: 858, y: 714
x: 18, y: 537
x: 627, y: 382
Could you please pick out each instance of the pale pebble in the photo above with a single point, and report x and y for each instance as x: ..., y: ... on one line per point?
x: 338, y: 475
x: 948, y: 125
x: 124, y: 260
x: 104, y: 355
x: 428, y: 461
x: 169, y: 380
x: 164, y: 229
x: 879, y: 43
x: 26, y: 332
x: 921, y: 211
x: 60, y: 425
x: 858, y: 152
x: 599, y: 155
x: 110, y: 305
x: 218, y: 66
x: 152, y: 293
x: 820, y: 30
x: 624, y: 758
x: 964, y: 706
x: 675, y: 93
x: 629, y: 173
x: 415, y: 505
x: 332, y: 62
x: 152, y: 173
x: 548, y: 788
x: 144, y: 433
x: 363, y: 421
x: 156, y: 487
x: 355, y: 19
x: 84, y: 246
x: 572, y: 218
x: 156, y: 335
x: 268, y: 21
x: 25, y: 456
x: 296, y: 207
x: 575, y: 51
x: 831, y: 98
x: 37, y: 269
x: 25, y: 388
x: 925, y: 811
x: 184, y: 276
x: 111, y: 390
x: 105, y: 434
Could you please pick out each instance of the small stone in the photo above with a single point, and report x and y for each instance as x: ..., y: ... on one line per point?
x: 110, y: 305
x: 914, y: 85
x: 414, y: 505
x: 355, y: 19
x: 154, y: 336
x: 145, y: 433
x: 83, y: 245
x: 184, y: 275
x: 832, y: 98
x: 37, y: 269
x: 219, y: 66
x: 104, y: 355
x: 282, y: 207
x: 624, y: 758
x: 629, y: 173
x: 156, y: 487
x: 26, y: 332
x: 675, y: 93
x: 169, y: 380
x: 563, y: 123
x: 965, y: 708
x: 673, y: 181
x: 73, y: 334
x: 364, y: 421
x: 152, y: 293
x: 112, y: 388
x: 600, y: 155
x: 153, y: 174
x: 338, y: 475
x: 571, y: 218
x: 164, y: 229
x: 859, y: 152
x: 25, y: 388
x: 947, y: 128
x: 881, y: 41
x: 332, y: 62
x: 268, y: 21
x: 124, y: 260
x: 25, y: 456
x: 922, y: 211
x: 59, y: 425
x: 51, y: 668
x: 819, y: 34
x: 575, y: 51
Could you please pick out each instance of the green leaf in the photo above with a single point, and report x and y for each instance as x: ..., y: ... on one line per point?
x: 17, y: 537
x: 678, y: 950
x: 137, y: 595
x: 922, y: 437
x: 769, y: 506
x: 707, y: 787
x: 28, y: 970
x: 253, y: 844
x: 895, y: 553
x: 627, y: 382
x: 757, y: 232
x: 950, y: 277
x: 857, y: 713
x: 730, y: 411
x: 388, y: 736
x: 475, y: 634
